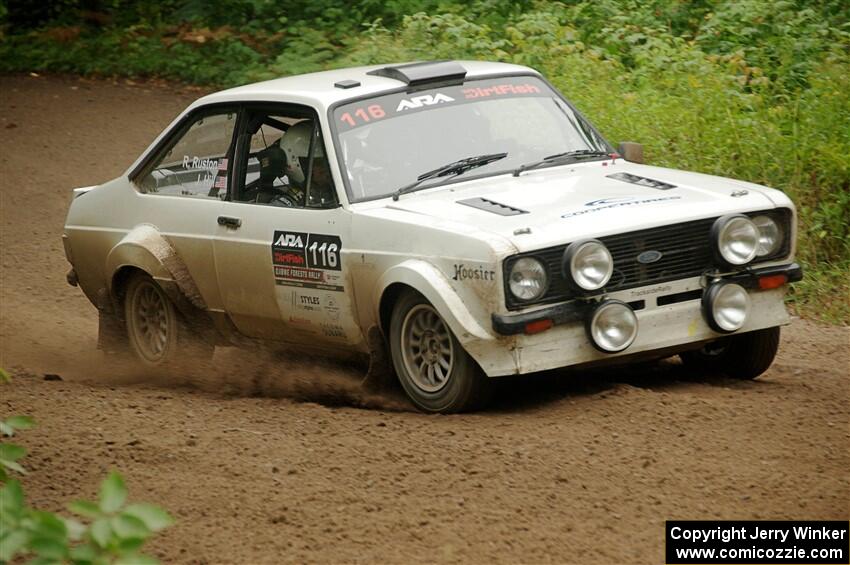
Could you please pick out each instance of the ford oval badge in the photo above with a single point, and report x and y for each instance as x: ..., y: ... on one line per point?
x: 648, y: 257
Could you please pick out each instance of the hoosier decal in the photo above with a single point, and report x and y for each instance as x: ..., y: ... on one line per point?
x: 462, y: 272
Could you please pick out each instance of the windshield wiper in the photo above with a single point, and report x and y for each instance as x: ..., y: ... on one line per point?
x: 557, y: 157
x: 454, y: 168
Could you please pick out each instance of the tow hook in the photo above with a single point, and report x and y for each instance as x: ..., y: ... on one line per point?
x: 71, y: 277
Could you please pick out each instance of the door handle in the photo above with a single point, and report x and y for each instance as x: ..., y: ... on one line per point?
x: 229, y: 222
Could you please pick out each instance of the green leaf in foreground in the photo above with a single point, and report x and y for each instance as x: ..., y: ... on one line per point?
x: 11, y: 498
x: 128, y: 527
x: 49, y: 526
x: 100, y: 532
x: 49, y: 548
x: 85, y: 552
x: 113, y: 493
x: 154, y: 517
x: 11, y: 452
x: 20, y: 422
x: 85, y: 508
x: 136, y: 560
x: 75, y: 529
x: 10, y: 544
x: 11, y: 465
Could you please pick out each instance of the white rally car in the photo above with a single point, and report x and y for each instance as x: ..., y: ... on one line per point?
x: 461, y: 220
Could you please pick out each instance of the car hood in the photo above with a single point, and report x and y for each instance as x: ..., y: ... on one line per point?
x: 546, y: 207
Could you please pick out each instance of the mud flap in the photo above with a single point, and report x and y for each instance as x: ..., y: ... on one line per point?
x: 380, y: 374
x: 111, y: 333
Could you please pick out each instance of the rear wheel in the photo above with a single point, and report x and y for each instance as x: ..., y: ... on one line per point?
x: 432, y: 366
x: 155, y: 330
x: 744, y: 356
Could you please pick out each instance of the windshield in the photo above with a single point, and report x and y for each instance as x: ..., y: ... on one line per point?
x: 386, y: 142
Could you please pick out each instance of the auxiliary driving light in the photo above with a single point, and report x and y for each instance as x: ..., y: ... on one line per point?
x: 613, y: 326
x: 725, y: 306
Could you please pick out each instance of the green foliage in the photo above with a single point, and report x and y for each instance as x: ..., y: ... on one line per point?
x: 754, y: 90
x: 114, y: 534
x: 9, y: 452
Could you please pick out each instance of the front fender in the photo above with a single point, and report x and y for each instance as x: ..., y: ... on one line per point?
x: 495, y: 354
x: 428, y: 280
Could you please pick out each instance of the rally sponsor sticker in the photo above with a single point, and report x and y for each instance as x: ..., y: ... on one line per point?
x: 307, y: 260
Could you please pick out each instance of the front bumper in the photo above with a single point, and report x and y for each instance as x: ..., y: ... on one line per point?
x: 576, y: 311
x: 669, y: 315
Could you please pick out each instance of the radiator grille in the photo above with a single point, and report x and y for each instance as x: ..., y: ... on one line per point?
x: 685, y: 248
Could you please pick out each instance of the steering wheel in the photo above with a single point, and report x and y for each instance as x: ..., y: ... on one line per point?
x: 253, y: 189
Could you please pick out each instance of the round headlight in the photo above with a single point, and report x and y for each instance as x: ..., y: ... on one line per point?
x: 736, y: 239
x: 613, y: 326
x: 726, y: 306
x: 588, y: 264
x: 527, y: 279
x: 770, y: 235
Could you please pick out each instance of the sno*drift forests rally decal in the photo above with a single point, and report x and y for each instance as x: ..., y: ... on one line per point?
x: 307, y: 260
x: 618, y: 202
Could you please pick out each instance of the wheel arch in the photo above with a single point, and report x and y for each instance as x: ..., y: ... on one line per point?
x: 144, y: 249
x: 430, y: 282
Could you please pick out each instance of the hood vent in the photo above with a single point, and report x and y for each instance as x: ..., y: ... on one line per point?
x: 490, y: 206
x: 642, y: 181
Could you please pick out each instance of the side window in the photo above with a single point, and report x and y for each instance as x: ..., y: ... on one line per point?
x: 285, y: 164
x: 195, y: 165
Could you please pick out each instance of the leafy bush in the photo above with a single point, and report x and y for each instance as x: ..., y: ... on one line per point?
x: 115, y: 532
x: 753, y: 90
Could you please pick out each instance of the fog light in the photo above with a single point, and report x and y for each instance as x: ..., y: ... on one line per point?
x: 613, y: 326
x: 726, y: 306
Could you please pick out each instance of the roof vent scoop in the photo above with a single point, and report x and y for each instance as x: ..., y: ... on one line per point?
x: 424, y: 73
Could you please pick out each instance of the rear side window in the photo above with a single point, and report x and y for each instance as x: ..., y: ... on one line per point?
x: 195, y: 163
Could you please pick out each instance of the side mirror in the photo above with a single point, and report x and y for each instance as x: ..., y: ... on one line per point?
x: 631, y: 151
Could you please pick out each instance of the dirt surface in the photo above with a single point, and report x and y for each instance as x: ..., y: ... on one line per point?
x: 263, y: 461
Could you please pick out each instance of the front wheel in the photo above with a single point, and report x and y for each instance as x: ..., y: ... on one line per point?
x: 744, y: 356
x: 435, y: 371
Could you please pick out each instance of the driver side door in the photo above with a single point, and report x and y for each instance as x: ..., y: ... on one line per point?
x: 280, y: 247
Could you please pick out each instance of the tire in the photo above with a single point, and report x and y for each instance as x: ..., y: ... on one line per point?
x: 156, y: 332
x: 444, y: 378
x: 744, y: 356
